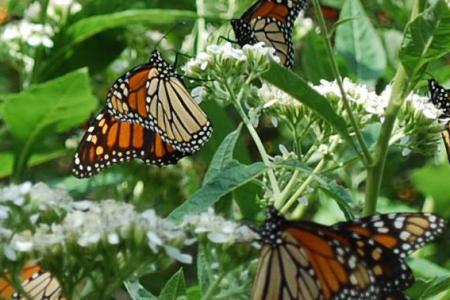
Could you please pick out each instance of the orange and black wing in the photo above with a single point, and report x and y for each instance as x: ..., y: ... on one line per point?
x: 403, y: 233
x: 306, y: 260
x: 270, y: 22
x: 154, y: 96
x: 38, y: 284
x: 108, y: 141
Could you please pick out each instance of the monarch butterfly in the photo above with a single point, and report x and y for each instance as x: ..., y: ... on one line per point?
x: 154, y: 96
x: 361, y: 259
x: 440, y: 97
x: 38, y: 284
x: 270, y: 22
x: 109, y: 140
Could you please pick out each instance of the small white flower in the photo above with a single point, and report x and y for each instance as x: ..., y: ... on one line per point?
x: 198, y: 93
x: 176, y: 254
x: 10, y: 253
x: 272, y: 96
x: 113, y: 238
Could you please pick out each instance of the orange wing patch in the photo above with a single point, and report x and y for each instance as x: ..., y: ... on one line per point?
x: 108, y: 141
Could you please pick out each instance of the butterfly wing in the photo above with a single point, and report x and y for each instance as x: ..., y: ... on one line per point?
x: 306, y: 260
x: 154, y: 96
x: 440, y: 97
x: 446, y: 138
x: 270, y: 22
x: 403, y: 233
x: 109, y: 140
x: 312, y: 262
x: 39, y: 285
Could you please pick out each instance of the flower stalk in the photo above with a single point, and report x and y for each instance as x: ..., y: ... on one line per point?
x: 367, y: 159
x: 400, y: 90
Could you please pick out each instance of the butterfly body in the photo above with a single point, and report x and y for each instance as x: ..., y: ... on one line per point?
x: 154, y: 96
x: 270, y: 22
x: 351, y: 260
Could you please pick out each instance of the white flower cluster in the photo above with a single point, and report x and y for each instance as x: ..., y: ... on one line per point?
x: 227, y: 54
x: 108, y: 222
x: 218, y: 229
x: 56, y: 9
x: 357, y: 93
x: 372, y: 103
x: 273, y: 96
x: 30, y: 33
x: 39, y: 197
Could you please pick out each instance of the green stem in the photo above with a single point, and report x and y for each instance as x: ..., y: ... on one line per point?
x: 400, y: 89
x: 367, y: 159
x: 259, y: 145
x: 375, y: 172
x: 213, y: 286
x: 293, y: 199
x: 201, y: 25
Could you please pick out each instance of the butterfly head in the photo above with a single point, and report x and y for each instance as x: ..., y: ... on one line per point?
x: 271, y: 231
x: 432, y: 85
x: 243, y: 32
x: 156, y: 57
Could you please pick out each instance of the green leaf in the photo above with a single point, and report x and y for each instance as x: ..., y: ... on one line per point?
x: 427, y: 38
x: 88, y: 27
x: 223, y: 155
x: 46, y: 109
x: 137, y: 292
x: 294, y: 85
x: 427, y: 269
x: 436, y: 286
x: 223, y: 183
x: 342, y: 196
x: 433, y: 181
x: 7, y: 160
x: 359, y: 44
x: 314, y: 50
x: 175, y: 287
x: 203, y: 269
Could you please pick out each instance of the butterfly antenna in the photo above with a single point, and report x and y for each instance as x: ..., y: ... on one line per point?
x: 167, y: 33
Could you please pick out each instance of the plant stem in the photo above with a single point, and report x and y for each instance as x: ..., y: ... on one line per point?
x: 400, y: 89
x: 259, y: 145
x: 264, y: 156
x: 201, y: 25
x: 213, y: 286
x: 308, y: 180
x: 367, y: 159
x: 375, y: 172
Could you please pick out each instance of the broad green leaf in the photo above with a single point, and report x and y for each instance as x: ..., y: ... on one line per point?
x: 427, y: 269
x: 7, y: 160
x: 314, y: 50
x: 340, y: 194
x: 137, y: 292
x: 427, y: 38
x: 436, y: 286
x: 294, y: 85
x: 223, y: 155
x: 88, y: 27
x: 433, y: 181
x: 359, y: 44
x: 48, y: 108
x: 223, y: 183
x: 175, y: 287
